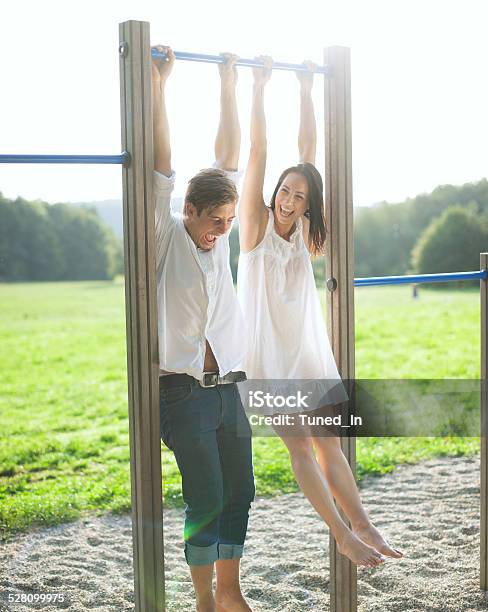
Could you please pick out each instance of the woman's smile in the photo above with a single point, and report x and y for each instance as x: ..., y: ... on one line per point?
x: 286, y: 212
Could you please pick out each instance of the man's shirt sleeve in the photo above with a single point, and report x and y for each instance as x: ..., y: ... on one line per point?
x: 234, y: 175
x: 163, y: 187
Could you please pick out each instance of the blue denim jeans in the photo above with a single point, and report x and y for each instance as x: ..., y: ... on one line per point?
x: 210, y: 436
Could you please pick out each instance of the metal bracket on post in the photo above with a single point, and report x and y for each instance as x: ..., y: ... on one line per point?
x: 127, y: 159
x: 123, y: 49
x: 331, y: 284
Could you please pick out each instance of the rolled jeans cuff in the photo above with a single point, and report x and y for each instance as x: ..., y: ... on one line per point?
x: 201, y: 555
x: 230, y: 551
x: 204, y: 555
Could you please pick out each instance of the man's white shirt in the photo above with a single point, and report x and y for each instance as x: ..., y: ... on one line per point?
x: 196, y: 296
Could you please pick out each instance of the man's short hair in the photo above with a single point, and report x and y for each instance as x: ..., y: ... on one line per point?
x: 210, y: 188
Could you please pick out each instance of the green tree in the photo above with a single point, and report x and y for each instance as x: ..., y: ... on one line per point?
x: 451, y: 243
x: 116, y: 249
x: 385, y: 234
x: 29, y: 245
x: 85, y: 243
x: 39, y: 242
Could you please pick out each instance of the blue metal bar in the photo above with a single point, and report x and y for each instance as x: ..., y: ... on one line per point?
x: 420, y: 278
x: 123, y: 159
x: 218, y: 59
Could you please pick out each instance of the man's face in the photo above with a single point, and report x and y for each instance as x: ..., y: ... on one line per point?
x: 212, y: 223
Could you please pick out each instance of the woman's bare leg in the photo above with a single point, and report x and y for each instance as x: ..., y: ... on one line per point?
x: 337, y: 471
x: 315, y: 487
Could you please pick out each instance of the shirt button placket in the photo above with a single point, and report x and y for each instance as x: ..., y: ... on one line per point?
x: 211, y: 276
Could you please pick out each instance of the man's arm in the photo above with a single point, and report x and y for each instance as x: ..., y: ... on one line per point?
x: 161, y: 70
x: 228, y: 140
x: 163, y: 177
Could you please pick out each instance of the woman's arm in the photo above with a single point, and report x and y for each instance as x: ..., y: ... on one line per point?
x: 161, y: 70
x: 307, y: 132
x: 253, y: 214
x: 228, y: 140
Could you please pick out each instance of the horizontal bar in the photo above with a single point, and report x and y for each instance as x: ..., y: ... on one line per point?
x: 123, y: 159
x: 420, y: 278
x: 218, y: 59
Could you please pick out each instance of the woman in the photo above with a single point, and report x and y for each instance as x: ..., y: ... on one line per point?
x: 288, y: 339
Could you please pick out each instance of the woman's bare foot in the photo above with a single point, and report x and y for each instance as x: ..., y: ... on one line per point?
x: 358, y: 552
x: 231, y: 602
x: 373, y: 537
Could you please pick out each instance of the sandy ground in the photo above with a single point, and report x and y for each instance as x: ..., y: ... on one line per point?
x: 430, y: 510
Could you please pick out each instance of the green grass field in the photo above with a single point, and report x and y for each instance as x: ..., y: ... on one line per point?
x: 63, y: 394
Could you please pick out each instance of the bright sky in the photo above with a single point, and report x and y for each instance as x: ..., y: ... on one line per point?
x: 420, y: 93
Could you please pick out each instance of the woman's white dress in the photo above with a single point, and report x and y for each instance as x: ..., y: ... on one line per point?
x: 288, y: 345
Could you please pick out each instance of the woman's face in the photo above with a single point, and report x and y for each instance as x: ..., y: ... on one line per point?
x: 291, y: 199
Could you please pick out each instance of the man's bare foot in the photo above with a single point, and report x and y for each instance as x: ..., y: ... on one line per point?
x: 231, y: 602
x: 206, y: 603
x: 358, y: 552
x: 373, y: 537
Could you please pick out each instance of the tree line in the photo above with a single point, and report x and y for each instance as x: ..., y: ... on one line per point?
x: 42, y: 242
x: 444, y: 231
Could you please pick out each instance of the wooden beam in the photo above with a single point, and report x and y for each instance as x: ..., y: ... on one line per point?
x: 141, y: 316
x: 340, y: 266
x: 484, y: 424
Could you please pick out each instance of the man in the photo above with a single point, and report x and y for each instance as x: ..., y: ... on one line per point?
x: 201, y: 342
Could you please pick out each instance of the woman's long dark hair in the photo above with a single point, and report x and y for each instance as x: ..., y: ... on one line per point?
x: 315, y: 213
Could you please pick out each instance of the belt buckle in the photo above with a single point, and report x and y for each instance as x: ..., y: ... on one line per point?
x: 214, y: 377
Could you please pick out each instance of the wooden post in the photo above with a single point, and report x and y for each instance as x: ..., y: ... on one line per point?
x: 484, y: 424
x: 340, y: 273
x: 141, y: 316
